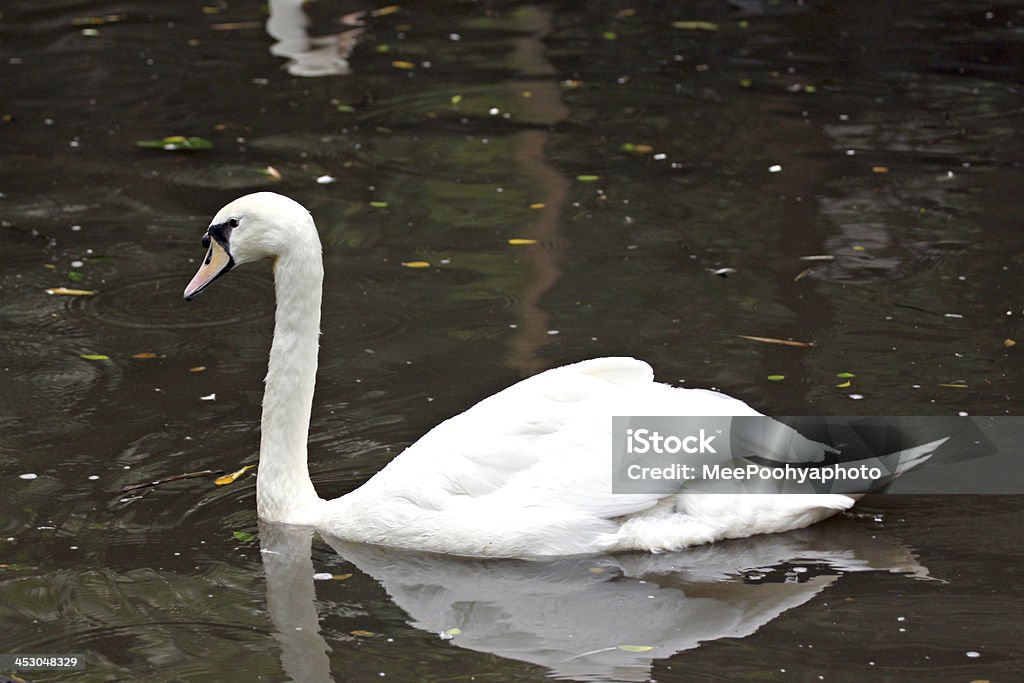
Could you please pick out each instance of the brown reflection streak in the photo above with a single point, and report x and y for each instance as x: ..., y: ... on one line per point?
x: 541, y: 103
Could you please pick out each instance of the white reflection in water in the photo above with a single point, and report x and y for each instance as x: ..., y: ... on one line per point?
x: 310, y: 55
x: 590, y: 618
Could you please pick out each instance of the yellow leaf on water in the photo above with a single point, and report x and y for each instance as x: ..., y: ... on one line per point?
x: 340, y: 577
x: 879, y: 169
x: 518, y: 241
x: 384, y: 11
x: 695, y: 25
x: 363, y: 634
x: 64, y: 291
x: 230, y: 478
x: 198, y: 368
x: 1009, y: 342
x: 416, y: 264
x: 94, y: 356
x: 146, y: 356
x: 537, y: 205
x: 403, y: 64
x: 844, y: 385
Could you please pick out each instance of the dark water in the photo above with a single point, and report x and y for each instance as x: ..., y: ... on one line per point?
x: 898, y: 130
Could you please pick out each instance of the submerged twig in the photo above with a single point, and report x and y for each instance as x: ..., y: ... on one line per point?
x: 167, y: 480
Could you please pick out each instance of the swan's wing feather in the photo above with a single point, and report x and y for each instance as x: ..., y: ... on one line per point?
x: 542, y: 444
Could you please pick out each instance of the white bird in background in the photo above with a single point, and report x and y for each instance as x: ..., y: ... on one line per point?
x: 524, y: 473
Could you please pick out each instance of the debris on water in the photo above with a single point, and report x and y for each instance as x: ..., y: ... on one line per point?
x: 416, y: 264
x: 243, y: 536
x: 818, y: 257
x: 781, y: 342
x: 177, y: 143
x: 952, y: 315
x: 1009, y: 342
x: 635, y: 648
x: 379, y: 205
x: 198, y: 368
x: 721, y: 272
x: 145, y: 356
x: 695, y: 25
x: 28, y: 476
x: 208, y: 397
x: 272, y: 173
x: 973, y: 654
x: 879, y: 169
x: 802, y: 274
x: 230, y: 478
x: 856, y: 397
x: 774, y: 168
x: 954, y: 385
x: 64, y: 291
x: 776, y: 378
x: 94, y: 356
x: 587, y: 178
x: 165, y: 480
x: 322, y: 576
x: 325, y: 179
x: 521, y: 241
x: 403, y: 64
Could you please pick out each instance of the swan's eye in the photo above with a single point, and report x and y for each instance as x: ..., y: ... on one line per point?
x: 206, y: 240
x: 233, y: 222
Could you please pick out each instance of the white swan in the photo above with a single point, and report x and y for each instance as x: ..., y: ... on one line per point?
x: 525, y: 472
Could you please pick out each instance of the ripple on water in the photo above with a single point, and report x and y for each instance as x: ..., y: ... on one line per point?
x: 155, y: 302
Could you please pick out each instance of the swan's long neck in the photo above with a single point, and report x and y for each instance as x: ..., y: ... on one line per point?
x: 284, y: 491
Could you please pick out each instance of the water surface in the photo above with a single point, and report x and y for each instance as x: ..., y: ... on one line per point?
x: 641, y: 157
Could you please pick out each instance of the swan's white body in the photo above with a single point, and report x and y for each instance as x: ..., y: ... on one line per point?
x: 525, y: 472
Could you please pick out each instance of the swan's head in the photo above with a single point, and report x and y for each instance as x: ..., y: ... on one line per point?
x: 256, y: 226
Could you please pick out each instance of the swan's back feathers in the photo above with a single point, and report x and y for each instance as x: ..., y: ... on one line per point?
x: 532, y: 463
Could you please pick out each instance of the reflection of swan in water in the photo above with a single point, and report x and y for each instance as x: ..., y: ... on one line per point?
x: 572, y: 615
x: 309, y: 55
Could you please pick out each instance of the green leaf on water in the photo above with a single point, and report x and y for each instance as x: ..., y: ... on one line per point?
x: 243, y: 536
x: 454, y: 631
x: 75, y: 276
x: 379, y: 205
x: 93, y: 356
x: 845, y: 375
x: 635, y: 648
x: 587, y: 178
x: 346, y: 109
x: 456, y: 99
x: 174, y: 143
x: 776, y: 378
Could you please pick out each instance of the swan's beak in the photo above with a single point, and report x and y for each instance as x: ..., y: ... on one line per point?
x: 217, y: 262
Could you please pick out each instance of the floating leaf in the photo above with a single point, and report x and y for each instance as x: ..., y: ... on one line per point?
x: 403, y: 64
x: 94, y: 356
x: 416, y: 264
x: 879, y: 169
x: 340, y: 577
x: 635, y: 648
x: 75, y: 276
x: 230, y: 478
x: 272, y: 173
x: 198, y: 368
x: 844, y: 385
x: 954, y: 386
x: 782, y: 342
x: 384, y: 11
x: 454, y: 631
x: 64, y: 291
x: 610, y: 35
x: 379, y: 205
x: 587, y: 178
x: 845, y: 375
x: 363, y: 634
x: 776, y: 378
x: 695, y: 25
x: 208, y: 397
x: 177, y: 143
x: 596, y: 570
x: 519, y: 241
x: 243, y: 536
x: 746, y: 83
x: 537, y: 205
x: 1009, y: 342
x: 346, y: 108
x: 456, y: 99
x: 98, y: 21
x: 146, y: 355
